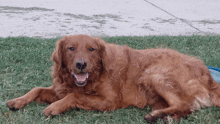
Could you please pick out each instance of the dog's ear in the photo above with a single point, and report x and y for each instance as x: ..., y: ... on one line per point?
x: 101, y: 46
x: 104, y: 54
x: 57, y: 54
x: 113, y: 57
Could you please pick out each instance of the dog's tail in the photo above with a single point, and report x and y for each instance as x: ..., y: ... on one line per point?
x: 215, y: 93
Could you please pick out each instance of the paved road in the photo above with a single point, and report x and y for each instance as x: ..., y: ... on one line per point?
x: 53, y: 18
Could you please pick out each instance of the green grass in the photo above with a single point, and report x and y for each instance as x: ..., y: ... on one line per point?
x: 26, y: 63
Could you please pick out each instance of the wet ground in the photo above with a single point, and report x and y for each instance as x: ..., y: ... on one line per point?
x: 53, y: 18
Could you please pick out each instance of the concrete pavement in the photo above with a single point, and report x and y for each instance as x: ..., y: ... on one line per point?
x: 55, y: 18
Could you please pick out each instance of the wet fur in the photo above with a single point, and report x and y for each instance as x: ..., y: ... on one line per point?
x: 172, y: 83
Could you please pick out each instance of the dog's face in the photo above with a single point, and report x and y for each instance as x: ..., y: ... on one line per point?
x: 81, y: 55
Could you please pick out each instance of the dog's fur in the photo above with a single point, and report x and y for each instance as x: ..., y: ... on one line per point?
x: 118, y: 76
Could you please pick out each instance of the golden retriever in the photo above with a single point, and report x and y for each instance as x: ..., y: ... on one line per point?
x: 91, y: 74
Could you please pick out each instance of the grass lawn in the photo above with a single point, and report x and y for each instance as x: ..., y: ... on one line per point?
x: 26, y: 63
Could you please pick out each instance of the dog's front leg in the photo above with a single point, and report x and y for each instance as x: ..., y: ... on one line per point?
x: 39, y: 94
x: 87, y: 102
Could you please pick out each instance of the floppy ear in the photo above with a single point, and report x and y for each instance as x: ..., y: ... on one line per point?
x: 105, y: 54
x: 101, y: 46
x: 57, y: 54
x: 114, y: 57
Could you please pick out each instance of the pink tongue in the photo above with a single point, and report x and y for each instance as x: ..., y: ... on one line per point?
x: 81, y: 77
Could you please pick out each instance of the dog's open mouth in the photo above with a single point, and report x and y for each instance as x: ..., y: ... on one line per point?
x: 81, y: 78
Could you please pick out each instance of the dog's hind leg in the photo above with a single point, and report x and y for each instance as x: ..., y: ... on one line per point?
x: 39, y: 94
x: 178, y: 101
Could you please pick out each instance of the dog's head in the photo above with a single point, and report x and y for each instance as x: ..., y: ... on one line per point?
x: 80, y: 55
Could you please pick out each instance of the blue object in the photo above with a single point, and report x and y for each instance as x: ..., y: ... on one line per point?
x: 215, y: 72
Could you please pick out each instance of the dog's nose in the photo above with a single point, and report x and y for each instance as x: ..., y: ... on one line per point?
x: 81, y: 64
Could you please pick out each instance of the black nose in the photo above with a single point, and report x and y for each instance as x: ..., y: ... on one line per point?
x: 81, y: 64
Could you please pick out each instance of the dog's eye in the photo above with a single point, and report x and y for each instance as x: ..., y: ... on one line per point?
x: 71, y: 48
x: 91, y: 49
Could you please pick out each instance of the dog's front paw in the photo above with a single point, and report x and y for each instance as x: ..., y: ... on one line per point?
x: 16, y: 103
x: 53, y: 109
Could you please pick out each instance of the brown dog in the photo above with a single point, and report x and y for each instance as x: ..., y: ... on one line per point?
x: 94, y: 75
